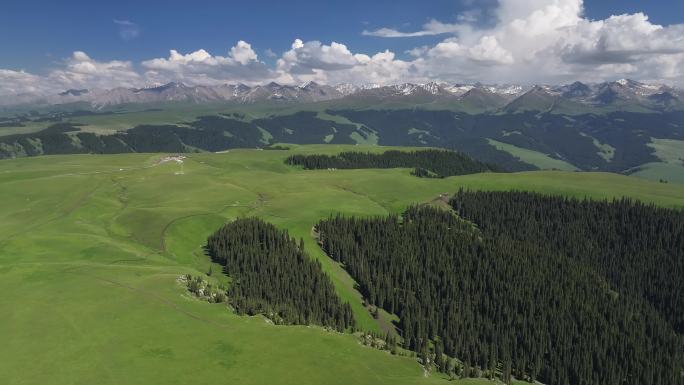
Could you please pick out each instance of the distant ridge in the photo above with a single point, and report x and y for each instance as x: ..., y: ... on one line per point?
x: 624, y: 94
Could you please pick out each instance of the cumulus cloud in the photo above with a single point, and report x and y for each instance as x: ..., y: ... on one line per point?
x: 487, y: 51
x: 200, y: 67
x: 270, y: 53
x: 19, y: 82
x: 303, y: 58
x: 621, y: 39
x: 528, y: 41
x: 335, y: 63
x: 81, y: 71
x: 77, y: 71
x: 545, y: 41
x: 243, y: 53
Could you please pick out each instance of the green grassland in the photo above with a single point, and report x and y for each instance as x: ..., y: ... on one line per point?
x: 666, y: 171
x: 25, y: 128
x: 671, y: 166
x: 536, y: 158
x: 109, y: 120
x: 605, y: 151
x: 172, y: 113
x: 91, y: 246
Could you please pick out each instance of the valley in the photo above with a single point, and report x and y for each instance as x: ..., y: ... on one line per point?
x: 449, y: 192
x: 515, y: 140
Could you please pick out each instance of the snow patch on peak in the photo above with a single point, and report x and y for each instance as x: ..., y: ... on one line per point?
x: 459, y: 89
x: 506, y: 89
x: 406, y: 88
x: 370, y: 86
x: 432, y: 87
x: 308, y: 84
x: 346, y: 88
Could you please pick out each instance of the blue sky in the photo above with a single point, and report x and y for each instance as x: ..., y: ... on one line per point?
x: 35, y: 33
x: 39, y: 36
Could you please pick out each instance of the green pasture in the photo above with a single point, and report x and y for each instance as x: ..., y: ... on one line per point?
x: 91, y: 247
x: 536, y: 158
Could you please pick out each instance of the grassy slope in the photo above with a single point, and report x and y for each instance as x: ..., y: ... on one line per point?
x: 128, y: 116
x: 668, y: 150
x: 536, y: 158
x: 671, y: 169
x: 670, y: 172
x: 90, y: 247
x: 26, y: 128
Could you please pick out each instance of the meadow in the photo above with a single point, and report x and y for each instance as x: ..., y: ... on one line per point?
x: 91, y: 247
x: 543, y: 161
x: 671, y: 166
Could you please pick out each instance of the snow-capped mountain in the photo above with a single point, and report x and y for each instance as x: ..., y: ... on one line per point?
x: 623, y: 91
x: 459, y: 89
x: 179, y: 92
x: 484, y: 96
x: 445, y: 90
x: 402, y: 90
x: 348, y: 88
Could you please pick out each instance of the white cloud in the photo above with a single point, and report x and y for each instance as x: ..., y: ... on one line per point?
x: 270, y: 53
x: 303, y: 57
x: 200, y: 67
x: 243, y: 53
x: 547, y: 41
x: 78, y: 71
x: 81, y: 71
x: 621, y: 39
x: 487, y: 51
x: 335, y: 63
x: 431, y: 28
x: 128, y: 30
x: 531, y: 41
x: 19, y: 82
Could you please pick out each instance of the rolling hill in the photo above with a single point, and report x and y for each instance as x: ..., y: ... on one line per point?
x: 92, y: 247
x: 611, y: 126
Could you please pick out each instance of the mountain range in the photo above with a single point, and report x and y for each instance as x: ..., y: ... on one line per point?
x: 622, y: 94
